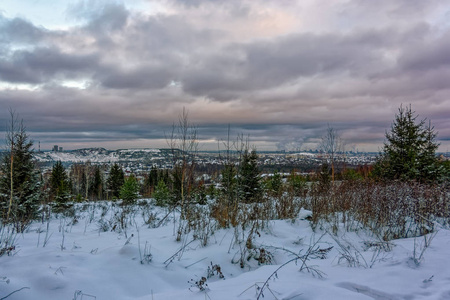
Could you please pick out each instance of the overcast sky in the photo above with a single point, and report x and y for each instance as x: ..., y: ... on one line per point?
x: 117, y: 74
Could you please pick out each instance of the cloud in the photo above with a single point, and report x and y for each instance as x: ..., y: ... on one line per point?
x: 143, y: 77
x: 18, y: 30
x: 428, y: 55
x: 277, y: 70
x: 282, y: 61
x: 44, y: 64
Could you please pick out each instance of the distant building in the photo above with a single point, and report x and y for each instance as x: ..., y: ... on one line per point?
x: 55, y: 148
x: 60, y: 149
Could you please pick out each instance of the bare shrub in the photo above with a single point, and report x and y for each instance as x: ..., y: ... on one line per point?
x: 287, y: 206
x: 261, y: 255
x: 212, y: 271
x: 390, y: 210
x: 8, y: 237
x: 313, y: 251
x: 420, y: 248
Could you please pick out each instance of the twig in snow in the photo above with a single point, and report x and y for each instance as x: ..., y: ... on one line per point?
x: 80, y: 293
x: 168, y: 261
x: 13, y: 292
x: 196, y: 262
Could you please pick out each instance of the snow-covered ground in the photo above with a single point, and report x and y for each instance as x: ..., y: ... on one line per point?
x: 98, y: 155
x: 76, y: 157
x: 80, y: 260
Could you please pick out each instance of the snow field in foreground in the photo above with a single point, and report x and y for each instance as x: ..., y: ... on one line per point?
x: 107, y: 265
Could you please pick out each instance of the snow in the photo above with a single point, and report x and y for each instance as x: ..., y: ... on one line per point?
x: 81, y: 261
x: 98, y: 155
x: 138, y: 150
x: 76, y: 157
x: 306, y: 154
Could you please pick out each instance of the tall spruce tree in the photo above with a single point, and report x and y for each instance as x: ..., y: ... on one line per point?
x: 409, y: 152
x: 20, y: 194
x: 115, y: 180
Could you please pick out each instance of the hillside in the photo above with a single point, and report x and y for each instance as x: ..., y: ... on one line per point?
x: 101, y: 155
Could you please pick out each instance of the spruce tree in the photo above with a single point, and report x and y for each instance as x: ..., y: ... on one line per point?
x: 20, y: 194
x: 162, y: 194
x: 115, y: 180
x: 229, y: 182
x: 409, y: 152
x: 130, y: 190
x: 151, y: 181
x: 429, y: 166
x: 297, y: 184
x: 153, y: 177
x: 274, y: 184
x: 250, y: 186
x: 96, y: 189
x: 60, y: 186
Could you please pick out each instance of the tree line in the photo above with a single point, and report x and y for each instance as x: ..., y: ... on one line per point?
x: 409, y: 154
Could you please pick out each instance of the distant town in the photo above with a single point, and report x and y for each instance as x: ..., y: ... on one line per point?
x: 142, y: 160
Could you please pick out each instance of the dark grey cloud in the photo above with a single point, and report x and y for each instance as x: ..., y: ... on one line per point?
x: 276, y: 70
x: 143, y: 77
x: 44, y: 64
x: 267, y: 64
x: 428, y: 55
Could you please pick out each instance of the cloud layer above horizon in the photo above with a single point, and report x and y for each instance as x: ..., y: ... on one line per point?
x: 117, y: 74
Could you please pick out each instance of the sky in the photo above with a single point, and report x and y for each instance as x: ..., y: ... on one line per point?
x: 118, y: 74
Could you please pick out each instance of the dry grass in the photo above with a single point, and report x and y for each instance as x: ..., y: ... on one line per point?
x: 389, y: 209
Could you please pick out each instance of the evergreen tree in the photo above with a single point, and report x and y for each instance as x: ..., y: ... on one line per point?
x: 162, y: 194
x: 19, y: 185
x: 153, y: 178
x: 429, y: 166
x: 164, y: 176
x: 130, y: 190
x: 297, y: 184
x: 250, y: 186
x: 151, y: 181
x: 274, y: 185
x: 409, y: 153
x: 59, y: 184
x: 229, y: 182
x: 96, y: 189
x: 115, y: 180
